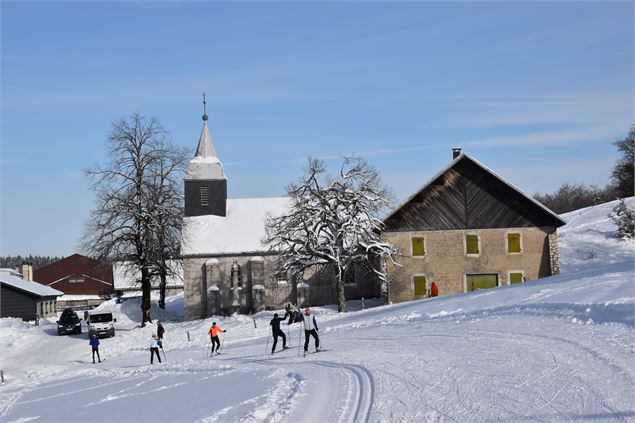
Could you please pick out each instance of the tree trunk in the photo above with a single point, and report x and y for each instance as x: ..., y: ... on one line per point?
x: 341, y: 297
x: 162, y: 286
x: 145, y: 296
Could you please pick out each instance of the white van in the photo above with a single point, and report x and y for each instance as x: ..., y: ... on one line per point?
x: 100, y: 323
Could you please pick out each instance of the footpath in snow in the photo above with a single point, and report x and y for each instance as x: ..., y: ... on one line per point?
x: 558, y: 349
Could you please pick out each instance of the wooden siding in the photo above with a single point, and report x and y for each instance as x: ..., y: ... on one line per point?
x: 468, y: 196
x: 15, y: 303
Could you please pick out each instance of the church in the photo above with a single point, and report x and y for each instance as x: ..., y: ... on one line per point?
x: 226, y: 269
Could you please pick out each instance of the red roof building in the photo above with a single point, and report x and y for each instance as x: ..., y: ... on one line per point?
x: 77, y: 275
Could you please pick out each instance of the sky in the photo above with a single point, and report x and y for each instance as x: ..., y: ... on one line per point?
x: 535, y: 91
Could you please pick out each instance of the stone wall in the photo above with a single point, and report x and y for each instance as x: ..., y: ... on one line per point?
x: 446, y: 262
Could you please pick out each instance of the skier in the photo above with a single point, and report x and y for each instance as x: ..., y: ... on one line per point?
x: 310, y: 328
x: 213, y: 333
x: 94, y: 342
x: 155, y: 344
x: 160, y: 330
x: 275, y: 329
x: 434, y: 290
x: 294, y: 313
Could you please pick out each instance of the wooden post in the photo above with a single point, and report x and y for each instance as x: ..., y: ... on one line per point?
x: 188, y: 336
x: 255, y: 327
x: 2, y: 375
x: 362, y: 303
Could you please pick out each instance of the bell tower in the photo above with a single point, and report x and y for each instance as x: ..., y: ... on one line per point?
x: 205, y: 181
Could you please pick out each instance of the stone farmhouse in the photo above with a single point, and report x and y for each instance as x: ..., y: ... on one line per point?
x: 467, y: 229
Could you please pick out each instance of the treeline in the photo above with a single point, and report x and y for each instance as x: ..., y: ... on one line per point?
x: 576, y: 196
x: 15, y: 262
x: 571, y: 197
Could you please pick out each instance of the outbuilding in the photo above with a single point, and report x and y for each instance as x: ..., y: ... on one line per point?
x: 25, y: 299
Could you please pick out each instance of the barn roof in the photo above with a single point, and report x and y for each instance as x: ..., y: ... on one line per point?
x: 239, y: 232
x: 464, y: 157
x: 37, y: 289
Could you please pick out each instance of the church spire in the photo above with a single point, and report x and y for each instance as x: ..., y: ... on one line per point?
x: 205, y: 145
x: 205, y: 181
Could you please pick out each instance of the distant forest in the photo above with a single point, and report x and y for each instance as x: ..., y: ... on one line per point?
x: 14, y: 262
x: 576, y: 196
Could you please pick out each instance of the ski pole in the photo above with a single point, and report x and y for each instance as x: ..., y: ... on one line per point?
x: 267, y: 346
x: 220, y: 349
x: 299, y: 339
x: 164, y: 357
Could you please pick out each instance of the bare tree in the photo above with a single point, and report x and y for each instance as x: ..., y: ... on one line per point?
x: 138, y: 201
x: 332, y: 222
x: 623, y: 174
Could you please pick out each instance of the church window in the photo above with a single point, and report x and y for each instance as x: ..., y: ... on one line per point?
x: 204, y: 196
x: 236, y: 280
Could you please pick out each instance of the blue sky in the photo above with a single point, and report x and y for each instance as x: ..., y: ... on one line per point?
x: 536, y: 91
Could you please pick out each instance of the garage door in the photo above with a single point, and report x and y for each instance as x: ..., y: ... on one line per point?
x: 482, y: 281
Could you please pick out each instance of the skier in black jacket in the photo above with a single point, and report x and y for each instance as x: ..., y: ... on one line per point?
x: 275, y: 329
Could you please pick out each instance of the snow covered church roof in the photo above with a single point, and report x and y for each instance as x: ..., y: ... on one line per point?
x: 9, y: 278
x: 239, y: 232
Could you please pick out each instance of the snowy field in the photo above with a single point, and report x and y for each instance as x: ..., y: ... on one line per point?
x: 559, y: 349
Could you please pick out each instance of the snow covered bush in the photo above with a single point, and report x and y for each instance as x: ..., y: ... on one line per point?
x: 623, y: 216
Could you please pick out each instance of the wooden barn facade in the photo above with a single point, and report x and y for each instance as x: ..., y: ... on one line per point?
x: 469, y: 229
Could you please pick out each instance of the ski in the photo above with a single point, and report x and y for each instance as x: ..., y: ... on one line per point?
x: 282, y: 350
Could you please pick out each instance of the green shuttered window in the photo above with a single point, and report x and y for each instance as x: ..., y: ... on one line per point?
x: 515, y: 277
x: 418, y: 246
x: 513, y: 243
x: 471, y: 244
x: 420, y: 286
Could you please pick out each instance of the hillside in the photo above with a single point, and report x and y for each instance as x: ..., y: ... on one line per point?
x: 558, y: 349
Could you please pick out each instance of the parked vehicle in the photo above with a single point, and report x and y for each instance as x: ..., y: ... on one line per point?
x: 100, y: 323
x: 69, y: 322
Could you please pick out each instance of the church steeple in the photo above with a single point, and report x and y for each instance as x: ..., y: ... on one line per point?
x: 205, y: 181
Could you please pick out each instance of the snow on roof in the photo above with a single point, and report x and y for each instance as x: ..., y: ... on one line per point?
x: 239, y: 232
x: 125, y: 277
x: 205, y: 165
x: 9, y: 278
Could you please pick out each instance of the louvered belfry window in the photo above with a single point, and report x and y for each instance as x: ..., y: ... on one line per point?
x: 204, y: 196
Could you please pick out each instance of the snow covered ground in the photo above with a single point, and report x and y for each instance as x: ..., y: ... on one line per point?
x: 558, y: 349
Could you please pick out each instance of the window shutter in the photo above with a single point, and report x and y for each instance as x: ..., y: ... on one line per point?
x: 513, y: 243
x: 471, y: 244
x: 418, y: 246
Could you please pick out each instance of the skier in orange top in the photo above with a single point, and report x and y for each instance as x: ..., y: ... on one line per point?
x: 213, y: 333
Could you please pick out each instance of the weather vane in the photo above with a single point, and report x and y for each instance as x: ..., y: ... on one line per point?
x: 204, y: 106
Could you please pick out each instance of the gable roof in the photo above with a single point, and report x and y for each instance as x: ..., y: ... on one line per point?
x: 34, y: 288
x: 462, y: 158
x: 238, y: 232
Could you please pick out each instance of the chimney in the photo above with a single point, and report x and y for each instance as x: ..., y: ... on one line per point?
x: 27, y: 271
x: 456, y: 152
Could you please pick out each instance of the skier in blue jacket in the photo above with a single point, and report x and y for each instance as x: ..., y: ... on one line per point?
x: 310, y: 328
x: 94, y: 342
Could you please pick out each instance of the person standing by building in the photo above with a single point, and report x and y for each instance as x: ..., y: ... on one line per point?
x: 94, y: 343
x: 434, y: 290
x: 276, y: 331
x: 214, y: 330
x: 155, y: 344
x: 310, y: 329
